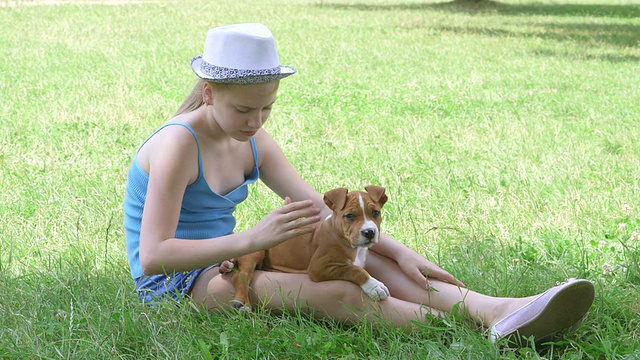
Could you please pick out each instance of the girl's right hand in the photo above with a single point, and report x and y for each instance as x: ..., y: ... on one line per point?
x: 292, y: 219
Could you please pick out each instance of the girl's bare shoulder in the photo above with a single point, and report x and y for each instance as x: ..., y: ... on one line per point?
x: 171, y: 143
x: 266, y: 144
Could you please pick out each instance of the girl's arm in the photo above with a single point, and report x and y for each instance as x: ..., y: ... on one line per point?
x: 413, y: 264
x: 169, y: 175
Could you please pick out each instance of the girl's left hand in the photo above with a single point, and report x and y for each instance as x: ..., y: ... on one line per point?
x: 421, y: 270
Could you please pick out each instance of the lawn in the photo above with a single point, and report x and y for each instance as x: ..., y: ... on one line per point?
x: 506, y: 134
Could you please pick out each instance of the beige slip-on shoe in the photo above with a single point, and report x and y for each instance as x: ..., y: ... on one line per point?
x: 559, y: 308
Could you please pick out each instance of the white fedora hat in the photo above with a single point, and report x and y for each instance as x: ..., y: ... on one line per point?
x: 240, y: 54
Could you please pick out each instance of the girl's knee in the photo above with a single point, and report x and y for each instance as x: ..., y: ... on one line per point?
x: 351, y: 304
x: 217, y: 287
x: 350, y: 295
x: 219, y: 293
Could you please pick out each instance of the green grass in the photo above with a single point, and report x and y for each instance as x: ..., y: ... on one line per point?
x: 506, y: 134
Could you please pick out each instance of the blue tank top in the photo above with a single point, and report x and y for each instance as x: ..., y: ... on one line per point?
x: 204, y: 213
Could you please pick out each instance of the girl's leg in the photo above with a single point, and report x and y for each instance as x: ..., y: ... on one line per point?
x: 345, y: 302
x: 484, y: 310
x: 338, y: 300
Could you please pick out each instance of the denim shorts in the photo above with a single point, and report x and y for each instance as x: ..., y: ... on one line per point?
x: 162, y: 287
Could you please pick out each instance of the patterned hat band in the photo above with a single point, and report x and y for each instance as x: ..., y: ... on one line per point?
x: 228, y: 73
x: 239, y: 76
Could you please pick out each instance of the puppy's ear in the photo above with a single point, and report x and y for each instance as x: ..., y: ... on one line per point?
x: 336, y: 198
x: 377, y: 194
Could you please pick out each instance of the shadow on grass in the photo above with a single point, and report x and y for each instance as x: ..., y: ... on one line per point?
x: 489, y: 6
x: 587, y: 35
x: 614, y: 34
x: 614, y: 58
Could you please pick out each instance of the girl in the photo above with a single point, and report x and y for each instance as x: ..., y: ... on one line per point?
x: 187, y: 178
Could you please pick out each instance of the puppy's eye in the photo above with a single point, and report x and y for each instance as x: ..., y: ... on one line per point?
x: 375, y: 213
x: 349, y: 216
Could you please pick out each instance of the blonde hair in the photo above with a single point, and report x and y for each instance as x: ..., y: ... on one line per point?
x: 194, y: 99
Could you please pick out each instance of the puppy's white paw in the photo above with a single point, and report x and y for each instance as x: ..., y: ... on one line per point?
x: 240, y: 306
x: 226, y: 266
x: 375, y: 289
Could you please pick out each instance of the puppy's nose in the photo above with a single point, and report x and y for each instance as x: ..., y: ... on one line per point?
x: 368, y: 233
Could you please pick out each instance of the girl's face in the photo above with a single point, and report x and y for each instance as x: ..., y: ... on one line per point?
x: 240, y: 110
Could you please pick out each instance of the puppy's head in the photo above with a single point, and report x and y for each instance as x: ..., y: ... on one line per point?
x: 356, y: 214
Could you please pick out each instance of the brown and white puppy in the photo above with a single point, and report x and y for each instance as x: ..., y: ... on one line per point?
x: 336, y: 250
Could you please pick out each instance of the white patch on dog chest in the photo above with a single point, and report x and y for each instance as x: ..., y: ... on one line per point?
x: 361, y: 257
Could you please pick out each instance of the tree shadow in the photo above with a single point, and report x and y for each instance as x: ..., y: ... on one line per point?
x: 609, y: 57
x: 585, y: 34
x: 562, y: 10
x: 490, y: 6
x: 559, y: 33
x: 589, y: 36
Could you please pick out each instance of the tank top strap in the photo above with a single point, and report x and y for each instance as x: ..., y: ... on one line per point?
x: 254, y: 148
x: 195, y: 136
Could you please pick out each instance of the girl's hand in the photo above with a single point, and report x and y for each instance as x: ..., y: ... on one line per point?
x: 421, y: 270
x: 292, y: 219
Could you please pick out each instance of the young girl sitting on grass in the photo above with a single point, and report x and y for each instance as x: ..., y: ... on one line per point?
x: 187, y: 178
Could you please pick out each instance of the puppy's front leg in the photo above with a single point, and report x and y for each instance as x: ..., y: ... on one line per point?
x: 322, y: 271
